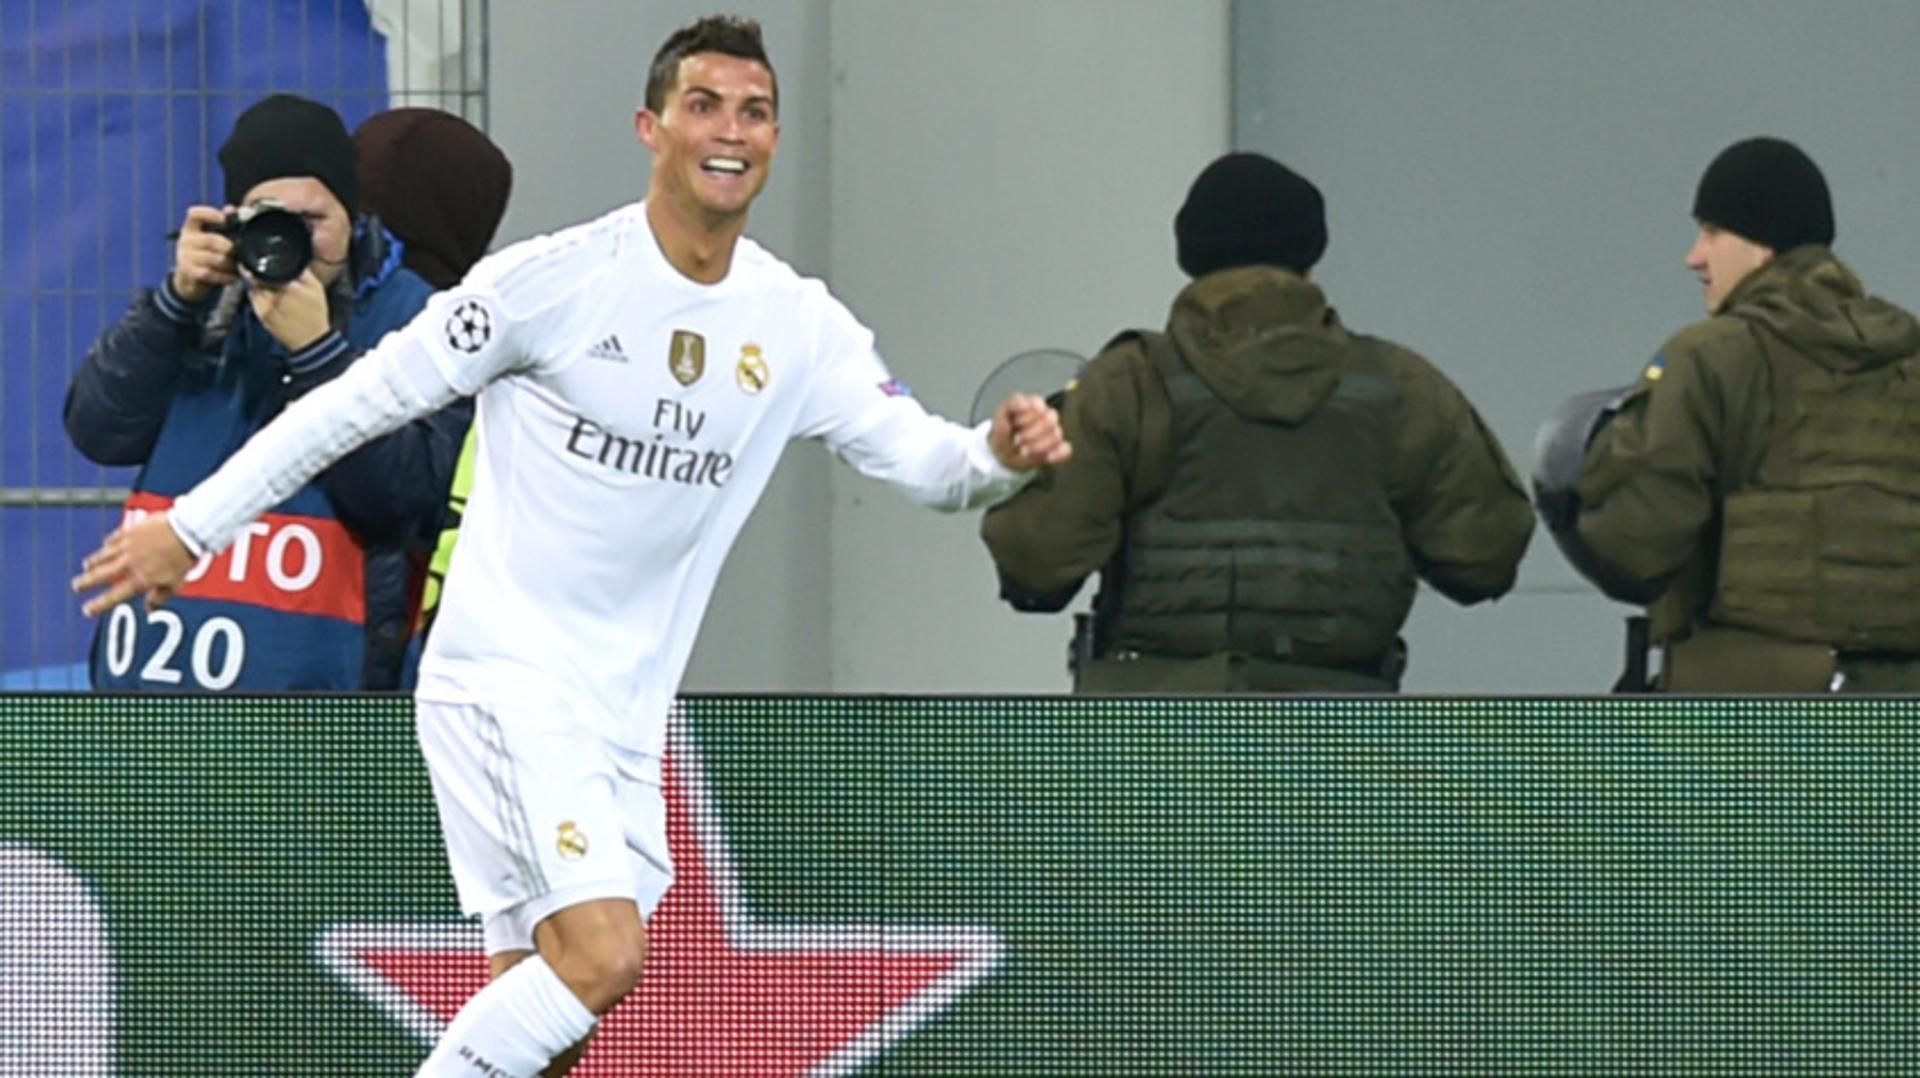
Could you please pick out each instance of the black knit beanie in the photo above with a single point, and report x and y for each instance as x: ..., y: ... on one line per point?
x: 1247, y: 209
x: 284, y: 135
x: 1768, y: 191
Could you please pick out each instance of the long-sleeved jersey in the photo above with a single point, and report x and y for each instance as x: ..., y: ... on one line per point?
x: 629, y: 420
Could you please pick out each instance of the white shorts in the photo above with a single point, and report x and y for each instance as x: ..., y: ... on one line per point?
x: 540, y: 813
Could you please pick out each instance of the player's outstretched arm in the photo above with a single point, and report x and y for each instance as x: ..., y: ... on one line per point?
x: 1026, y: 434
x: 144, y: 557
x: 871, y: 422
x: 400, y: 380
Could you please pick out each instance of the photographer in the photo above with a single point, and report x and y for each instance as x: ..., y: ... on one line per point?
x: 198, y: 364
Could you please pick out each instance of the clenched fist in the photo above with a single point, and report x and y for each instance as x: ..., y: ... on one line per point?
x: 1026, y: 434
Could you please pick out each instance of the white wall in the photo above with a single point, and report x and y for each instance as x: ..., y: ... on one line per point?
x: 1005, y: 175
x: 1509, y: 187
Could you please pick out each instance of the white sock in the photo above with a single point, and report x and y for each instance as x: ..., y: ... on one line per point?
x: 512, y: 1028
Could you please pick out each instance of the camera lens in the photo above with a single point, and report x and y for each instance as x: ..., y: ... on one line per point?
x: 274, y: 245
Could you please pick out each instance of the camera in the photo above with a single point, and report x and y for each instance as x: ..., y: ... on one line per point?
x: 271, y: 242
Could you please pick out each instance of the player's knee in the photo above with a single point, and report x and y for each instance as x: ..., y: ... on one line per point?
x: 602, y: 970
x: 608, y: 976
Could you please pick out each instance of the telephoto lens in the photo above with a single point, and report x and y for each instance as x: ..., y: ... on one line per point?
x: 271, y: 242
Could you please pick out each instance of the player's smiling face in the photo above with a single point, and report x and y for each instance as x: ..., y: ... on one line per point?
x: 714, y: 140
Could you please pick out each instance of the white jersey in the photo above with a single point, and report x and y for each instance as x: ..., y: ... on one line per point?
x: 629, y: 420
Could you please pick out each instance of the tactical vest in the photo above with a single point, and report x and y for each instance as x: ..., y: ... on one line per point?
x: 1270, y: 540
x: 1821, y: 541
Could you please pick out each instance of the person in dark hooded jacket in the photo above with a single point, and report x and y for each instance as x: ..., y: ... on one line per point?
x: 1759, y: 487
x: 1260, y: 487
x: 441, y: 185
x: 438, y: 182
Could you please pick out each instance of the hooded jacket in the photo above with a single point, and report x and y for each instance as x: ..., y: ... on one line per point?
x: 1316, y: 430
x: 438, y: 182
x: 442, y: 185
x: 1764, y: 472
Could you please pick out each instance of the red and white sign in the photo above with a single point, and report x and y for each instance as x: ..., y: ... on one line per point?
x: 300, y: 564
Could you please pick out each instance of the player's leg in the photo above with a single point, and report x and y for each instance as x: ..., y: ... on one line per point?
x: 532, y: 827
x: 564, y: 1062
x: 598, y: 948
x: 576, y: 940
x: 595, y: 929
x: 515, y: 1027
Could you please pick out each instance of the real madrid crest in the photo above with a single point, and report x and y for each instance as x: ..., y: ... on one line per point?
x: 571, y: 845
x: 751, y: 372
x: 687, y: 356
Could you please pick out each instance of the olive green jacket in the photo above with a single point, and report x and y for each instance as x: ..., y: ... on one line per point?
x: 1265, y: 340
x: 1697, y: 427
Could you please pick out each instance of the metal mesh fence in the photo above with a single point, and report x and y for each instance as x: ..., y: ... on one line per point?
x: 111, y: 112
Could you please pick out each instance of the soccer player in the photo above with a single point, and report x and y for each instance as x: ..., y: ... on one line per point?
x: 638, y: 377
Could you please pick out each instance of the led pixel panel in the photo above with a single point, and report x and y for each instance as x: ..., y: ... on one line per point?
x: 1007, y: 886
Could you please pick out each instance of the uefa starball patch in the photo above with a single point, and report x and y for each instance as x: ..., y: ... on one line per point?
x: 469, y: 326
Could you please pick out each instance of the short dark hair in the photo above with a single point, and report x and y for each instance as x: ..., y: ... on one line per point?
x: 729, y: 35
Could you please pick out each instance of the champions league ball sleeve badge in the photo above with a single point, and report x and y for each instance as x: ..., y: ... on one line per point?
x: 469, y: 327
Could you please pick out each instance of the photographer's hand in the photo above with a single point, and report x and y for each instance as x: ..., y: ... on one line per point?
x: 202, y: 257
x: 295, y: 312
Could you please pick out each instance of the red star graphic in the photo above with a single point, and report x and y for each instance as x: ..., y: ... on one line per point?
x: 724, y: 994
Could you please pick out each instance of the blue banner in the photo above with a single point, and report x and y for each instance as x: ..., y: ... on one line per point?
x: 111, y: 113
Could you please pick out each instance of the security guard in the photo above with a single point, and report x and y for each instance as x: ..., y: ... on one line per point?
x: 1260, y: 487
x: 1759, y: 486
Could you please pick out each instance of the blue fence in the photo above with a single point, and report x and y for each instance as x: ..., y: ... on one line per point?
x: 111, y: 112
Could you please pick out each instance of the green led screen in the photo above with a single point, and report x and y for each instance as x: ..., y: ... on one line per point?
x: 1005, y: 886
